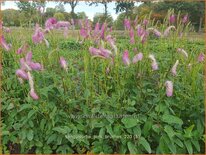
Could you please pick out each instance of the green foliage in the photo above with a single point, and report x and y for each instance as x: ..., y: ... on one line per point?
x: 59, y: 16
x: 101, y: 18
x: 89, y: 109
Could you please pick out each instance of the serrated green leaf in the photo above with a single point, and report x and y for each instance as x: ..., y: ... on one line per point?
x: 130, y: 122
x: 188, y: 146
x: 132, y: 148
x: 170, y: 119
x: 145, y: 144
x: 30, y: 135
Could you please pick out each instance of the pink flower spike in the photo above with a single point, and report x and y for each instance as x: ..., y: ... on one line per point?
x: 145, y: 22
x: 127, y: 24
x: 154, y: 66
x: 94, y: 51
x: 140, y: 30
x: 83, y: 33
x: 33, y: 94
x: 167, y: 31
x: 185, y: 19
x: 137, y: 57
x: 125, y: 58
x: 157, y: 33
x: 38, y: 35
x: 102, y: 32
x: 4, y: 45
x: 201, y: 57
x: 22, y: 74
x: 169, y: 88
x: 28, y: 57
x: 19, y: 51
x: 50, y: 23
x: 63, y: 63
x: 60, y: 24
x: 105, y: 53
x: 172, y: 18
x: 174, y: 68
x: 131, y: 34
x: 96, y: 29
x: 144, y: 37
x: 35, y: 66
x: 183, y: 52
x: 154, y: 62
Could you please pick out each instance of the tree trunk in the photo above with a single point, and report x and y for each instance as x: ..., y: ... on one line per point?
x: 105, y: 9
x: 200, y: 24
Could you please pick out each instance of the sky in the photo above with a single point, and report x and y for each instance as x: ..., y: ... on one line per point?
x: 89, y: 10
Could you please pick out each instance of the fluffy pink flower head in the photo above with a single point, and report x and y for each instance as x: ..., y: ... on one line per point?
x: 154, y: 62
x: 3, y: 43
x: 94, y: 51
x: 157, y: 33
x: 145, y: 22
x: 167, y: 31
x: 140, y: 30
x: 172, y: 18
x: 33, y: 94
x: 102, y: 32
x: 201, y: 57
x: 63, y: 63
x: 174, y: 68
x: 84, y: 33
x: 19, y: 51
x: 137, y: 57
x: 105, y: 53
x: 38, y: 35
x: 127, y: 24
x: 144, y: 37
x: 22, y: 74
x: 96, y: 29
x: 27, y: 63
x: 125, y: 58
x: 110, y: 40
x: 185, y: 19
x: 183, y: 52
x: 60, y: 24
x: 50, y: 23
x: 169, y: 88
x: 22, y: 49
x: 131, y: 34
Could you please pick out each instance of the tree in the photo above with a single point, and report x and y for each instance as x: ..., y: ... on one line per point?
x: 103, y: 2
x: 59, y: 16
x: 119, y: 22
x: 124, y: 7
x: 50, y: 12
x: 100, y: 17
x: 196, y: 10
x: 11, y: 17
x: 73, y: 4
x: 60, y: 8
x: 81, y: 15
x: 30, y: 10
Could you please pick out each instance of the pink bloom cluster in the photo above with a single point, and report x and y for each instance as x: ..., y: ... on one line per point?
x: 63, y: 63
x: 101, y: 52
x: 24, y: 73
x: 136, y: 58
x: 4, y: 44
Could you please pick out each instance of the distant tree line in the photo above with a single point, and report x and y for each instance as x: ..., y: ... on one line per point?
x: 30, y: 13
